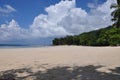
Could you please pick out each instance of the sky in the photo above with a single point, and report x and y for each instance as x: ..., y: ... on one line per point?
x: 40, y: 21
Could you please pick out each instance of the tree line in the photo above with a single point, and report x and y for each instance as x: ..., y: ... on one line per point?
x: 109, y: 36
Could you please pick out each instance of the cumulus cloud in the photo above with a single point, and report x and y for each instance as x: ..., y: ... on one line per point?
x: 49, y: 24
x: 63, y: 18
x: 12, y: 31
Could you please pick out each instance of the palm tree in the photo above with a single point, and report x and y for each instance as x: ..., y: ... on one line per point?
x: 116, y: 14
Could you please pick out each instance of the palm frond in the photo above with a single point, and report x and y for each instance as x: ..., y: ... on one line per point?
x: 118, y: 2
x: 113, y: 19
x: 114, y: 6
x: 113, y: 13
x: 116, y: 13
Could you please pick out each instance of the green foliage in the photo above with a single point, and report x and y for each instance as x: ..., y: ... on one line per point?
x: 109, y: 36
x: 116, y: 13
x: 68, y: 40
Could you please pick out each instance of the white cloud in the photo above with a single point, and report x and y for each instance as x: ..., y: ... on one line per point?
x: 7, y: 9
x: 61, y: 19
x: 67, y: 19
x: 12, y: 31
x: 49, y: 24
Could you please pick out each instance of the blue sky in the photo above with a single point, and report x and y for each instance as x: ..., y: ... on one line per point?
x: 39, y: 19
x: 27, y: 9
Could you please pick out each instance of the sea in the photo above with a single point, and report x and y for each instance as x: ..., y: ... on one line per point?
x: 21, y: 46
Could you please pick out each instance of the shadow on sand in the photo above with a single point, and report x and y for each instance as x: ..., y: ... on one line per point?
x: 89, y: 72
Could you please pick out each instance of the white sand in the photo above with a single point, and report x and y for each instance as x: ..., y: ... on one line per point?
x: 59, y: 55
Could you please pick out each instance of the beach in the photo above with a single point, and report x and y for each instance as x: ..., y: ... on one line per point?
x: 41, y: 58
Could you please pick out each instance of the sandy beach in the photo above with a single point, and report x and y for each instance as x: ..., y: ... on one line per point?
x: 41, y: 58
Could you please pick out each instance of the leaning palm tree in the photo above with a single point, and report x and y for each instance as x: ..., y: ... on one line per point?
x: 116, y: 13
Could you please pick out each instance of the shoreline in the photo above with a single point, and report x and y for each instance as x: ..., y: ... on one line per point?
x: 50, y: 46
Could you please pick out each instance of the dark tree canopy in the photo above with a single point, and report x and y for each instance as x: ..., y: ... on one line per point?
x: 116, y: 13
